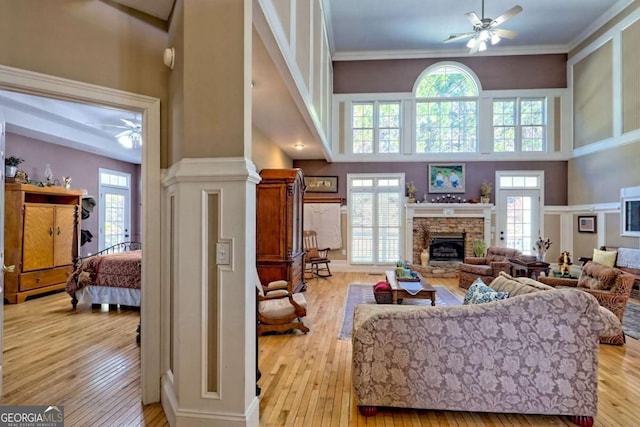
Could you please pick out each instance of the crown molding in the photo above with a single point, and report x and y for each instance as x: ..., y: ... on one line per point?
x: 600, y: 22
x: 440, y: 53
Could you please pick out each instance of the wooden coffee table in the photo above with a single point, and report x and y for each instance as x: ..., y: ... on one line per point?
x: 532, y: 269
x: 427, y: 291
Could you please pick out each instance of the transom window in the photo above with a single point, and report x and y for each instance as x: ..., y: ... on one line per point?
x: 376, y: 127
x: 519, y: 124
x: 446, y: 111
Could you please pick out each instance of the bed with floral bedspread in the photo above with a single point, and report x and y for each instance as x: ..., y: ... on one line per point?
x: 112, y: 276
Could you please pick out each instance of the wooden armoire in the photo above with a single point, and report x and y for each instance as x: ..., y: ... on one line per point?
x: 41, y: 238
x: 279, y: 223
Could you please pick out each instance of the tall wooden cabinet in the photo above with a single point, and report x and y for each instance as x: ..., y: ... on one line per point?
x: 41, y: 238
x: 279, y: 223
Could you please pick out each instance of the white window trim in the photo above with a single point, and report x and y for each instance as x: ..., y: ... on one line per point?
x: 485, y: 128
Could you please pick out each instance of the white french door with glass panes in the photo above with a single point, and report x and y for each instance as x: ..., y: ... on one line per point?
x: 115, y: 208
x: 520, y: 210
x: 375, y: 218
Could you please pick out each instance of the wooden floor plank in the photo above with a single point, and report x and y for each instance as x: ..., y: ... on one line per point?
x: 327, y: 399
x: 306, y: 380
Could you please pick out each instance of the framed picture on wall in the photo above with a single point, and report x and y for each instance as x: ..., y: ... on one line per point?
x: 587, y: 224
x: 447, y: 178
x: 321, y: 184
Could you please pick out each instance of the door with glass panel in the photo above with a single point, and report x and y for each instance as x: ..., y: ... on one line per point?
x: 518, y: 219
x: 375, y: 218
x: 115, y: 208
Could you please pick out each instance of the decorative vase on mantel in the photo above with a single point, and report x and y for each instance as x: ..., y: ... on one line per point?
x: 484, y: 199
x: 424, y: 257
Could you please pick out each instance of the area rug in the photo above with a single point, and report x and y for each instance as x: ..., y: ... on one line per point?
x: 631, y: 321
x: 363, y: 294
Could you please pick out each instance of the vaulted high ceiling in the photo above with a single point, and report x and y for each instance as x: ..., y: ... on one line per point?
x: 373, y: 29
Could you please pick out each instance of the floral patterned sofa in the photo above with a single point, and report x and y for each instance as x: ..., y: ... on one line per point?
x: 533, y: 353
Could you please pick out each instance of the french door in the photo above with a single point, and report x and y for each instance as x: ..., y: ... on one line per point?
x: 115, y: 208
x: 519, y: 210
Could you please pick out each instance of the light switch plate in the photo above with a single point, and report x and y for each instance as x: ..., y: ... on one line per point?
x: 223, y: 256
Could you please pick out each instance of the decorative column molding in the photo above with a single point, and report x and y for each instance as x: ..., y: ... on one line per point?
x: 210, y: 373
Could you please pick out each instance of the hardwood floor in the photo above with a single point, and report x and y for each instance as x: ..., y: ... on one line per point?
x: 89, y: 362
x: 85, y: 360
x: 306, y: 378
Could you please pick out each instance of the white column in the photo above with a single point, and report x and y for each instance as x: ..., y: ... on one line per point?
x: 187, y: 398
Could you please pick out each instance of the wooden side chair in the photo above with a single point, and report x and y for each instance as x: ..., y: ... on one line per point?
x: 316, y: 261
x: 278, y: 308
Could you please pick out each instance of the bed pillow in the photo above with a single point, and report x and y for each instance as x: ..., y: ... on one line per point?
x: 480, y: 293
x: 607, y: 258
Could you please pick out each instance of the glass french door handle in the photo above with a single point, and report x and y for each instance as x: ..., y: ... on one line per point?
x: 8, y: 268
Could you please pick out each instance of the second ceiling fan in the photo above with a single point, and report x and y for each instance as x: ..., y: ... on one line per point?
x: 485, y: 31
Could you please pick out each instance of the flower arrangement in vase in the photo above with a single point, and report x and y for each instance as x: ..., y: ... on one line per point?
x: 426, y: 242
x: 485, y: 192
x: 540, y: 247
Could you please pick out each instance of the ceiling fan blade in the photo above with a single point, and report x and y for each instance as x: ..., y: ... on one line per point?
x: 125, y: 133
x: 130, y: 123
x: 456, y: 37
x: 474, y: 49
x: 505, y: 34
x: 473, y: 17
x: 507, y: 15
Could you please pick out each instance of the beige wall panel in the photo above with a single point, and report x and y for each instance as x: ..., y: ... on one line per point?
x: 613, y: 237
x: 266, y: 154
x: 176, y: 87
x: 552, y: 230
x: 87, y: 41
x: 631, y: 78
x: 303, y: 39
x: 583, y: 243
x: 283, y: 9
x: 598, y: 177
x: 214, y: 78
x: 593, y: 97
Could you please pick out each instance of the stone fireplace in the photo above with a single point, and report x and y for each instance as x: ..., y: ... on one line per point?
x: 464, y: 222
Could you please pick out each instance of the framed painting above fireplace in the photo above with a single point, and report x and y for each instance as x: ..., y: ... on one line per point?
x: 447, y: 178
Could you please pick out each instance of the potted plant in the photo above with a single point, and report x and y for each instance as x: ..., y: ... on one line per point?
x: 479, y: 246
x: 485, y: 192
x: 11, y: 166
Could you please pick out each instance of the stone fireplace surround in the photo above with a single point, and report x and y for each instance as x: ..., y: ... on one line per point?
x: 445, y: 218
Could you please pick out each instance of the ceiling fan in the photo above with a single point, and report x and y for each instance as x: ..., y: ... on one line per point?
x: 131, y: 135
x: 484, y: 30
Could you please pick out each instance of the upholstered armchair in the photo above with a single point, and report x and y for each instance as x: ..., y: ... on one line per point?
x: 278, y: 308
x: 487, y: 267
x: 611, y: 287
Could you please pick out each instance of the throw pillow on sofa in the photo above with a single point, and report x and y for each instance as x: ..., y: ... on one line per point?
x: 598, y: 276
x: 607, y: 258
x: 479, y: 293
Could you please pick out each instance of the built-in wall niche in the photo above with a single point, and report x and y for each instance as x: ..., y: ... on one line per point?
x: 630, y: 211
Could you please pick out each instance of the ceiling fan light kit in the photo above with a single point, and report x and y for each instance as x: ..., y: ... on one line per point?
x: 484, y: 30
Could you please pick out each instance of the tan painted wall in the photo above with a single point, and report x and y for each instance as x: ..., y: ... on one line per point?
x: 267, y: 155
x: 598, y: 177
x: 208, y: 101
x: 87, y: 41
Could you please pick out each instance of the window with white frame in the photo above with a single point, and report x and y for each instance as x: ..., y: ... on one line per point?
x: 519, y: 124
x: 376, y: 127
x: 115, y: 208
x: 375, y: 218
x: 446, y: 111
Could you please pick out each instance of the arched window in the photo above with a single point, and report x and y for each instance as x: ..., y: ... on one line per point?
x: 446, y: 99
